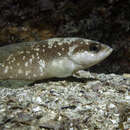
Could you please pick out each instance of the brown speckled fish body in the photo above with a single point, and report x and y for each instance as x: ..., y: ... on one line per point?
x: 55, y: 57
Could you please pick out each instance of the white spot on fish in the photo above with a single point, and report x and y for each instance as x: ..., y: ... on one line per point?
x: 34, y: 75
x: 10, y: 77
x: 13, y: 60
x: 42, y: 65
x: 6, y: 69
x: 62, y: 49
x: 26, y: 64
x: 20, y: 71
x: 30, y: 61
x: 18, y: 64
x: 27, y: 73
x: 20, y: 52
x: 59, y: 54
x: 10, y: 56
x: 24, y: 57
x: 33, y: 56
x: 38, y: 58
x: 43, y: 46
x: 71, y: 49
x: 2, y: 65
x: 43, y: 50
x: 36, y: 49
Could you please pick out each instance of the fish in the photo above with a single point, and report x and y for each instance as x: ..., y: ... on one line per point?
x: 53, y: 58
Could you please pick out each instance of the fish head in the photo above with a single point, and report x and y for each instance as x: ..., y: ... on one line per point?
x: 90, y: 53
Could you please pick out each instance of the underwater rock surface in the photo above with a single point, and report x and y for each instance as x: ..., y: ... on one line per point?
x: 92, y: 101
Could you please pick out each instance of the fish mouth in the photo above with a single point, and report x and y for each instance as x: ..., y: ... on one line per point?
x: 108, y: 51
x: 103, y: 54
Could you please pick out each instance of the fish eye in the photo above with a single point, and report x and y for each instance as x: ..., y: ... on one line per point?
x: 94, y: 48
